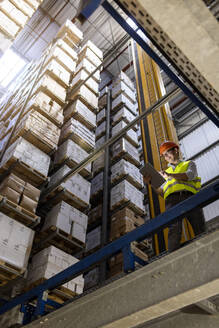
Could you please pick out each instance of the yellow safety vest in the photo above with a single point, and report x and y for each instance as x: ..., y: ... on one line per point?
x: 172, y: 185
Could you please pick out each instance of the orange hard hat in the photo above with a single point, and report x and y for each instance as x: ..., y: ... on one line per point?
x: 166, y: 145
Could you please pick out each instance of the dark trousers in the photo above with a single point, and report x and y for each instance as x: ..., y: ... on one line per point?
x: 195, y: 218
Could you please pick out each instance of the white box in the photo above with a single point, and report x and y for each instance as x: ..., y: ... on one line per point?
x: 89, y: 68
x: 122, y: 168
x: 79, y: 133
x: 68, y: 219
x: 101, y: 115
x: 123, y: 101
x: 123, y: 146
x: 97, y: 183
x: 72, y: 32
x: 15, y: 14
x: 66, y: 48
x: 29, y: 154
x: 15, y: 242
x: 123, y: 77
x: 81, y: 76
x: 123, y: 114
x: 130, y: 135
x: 87, y: 96
x: 125, y: 191
x: 80, y: 111
x: 58, y: 72
x: 8, y: 26
x: 89, y: 44
x: 122, y: 87
x: 48, y: 263
x: 98, y: 163
x: 76, y: 184
x: 71, y: 151
x: 101, y: 129
x: 63, y: 58
x: 93, y: 239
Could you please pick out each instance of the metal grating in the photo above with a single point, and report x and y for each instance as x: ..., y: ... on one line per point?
x: 162, y: 39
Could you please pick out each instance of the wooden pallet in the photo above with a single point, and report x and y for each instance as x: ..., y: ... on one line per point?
x: 18, y: 213
x: 58, y: 238
x: 60, y: 294
x: 60, y: 193
x: 129, y: 178
x: 71, y: 163
x: 35, y: 139
x: 24, y: 171
x: 87, y: 147
x: 130, y: 205
x: 124, y: 155
x: 9, y: 272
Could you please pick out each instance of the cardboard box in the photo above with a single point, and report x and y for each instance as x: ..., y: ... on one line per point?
x: 95, y: 213
x: 123, y: 101
x: 51, y: 261
x: 102, y: 101
x: 15, y: 242
x: 78, y: 133
x: 91, y: 279
x: 89, y: 68
x: 76, y: 184
x: 41, y: 132
x: 13, y: 182
x: 66, y: 48
x: 13, y: 13
x: 80, y: 77
x: 101, y: 115
x: 52, y: 88
x: 68, y: 219
x: 47, y: 107
x: 5, y: 42
x: 98, y: 164
x: 123, y: 168
x: 8, y: 26
x: 122, y: 87
x: 72, y: 153
x: 86, y: 96
x: 93, y: 239
x: 31, y: 192
x: 63, y: 58
x: 123, y: 114
x: 123, y: 146
x: 101, y: 129
x: 58, y: 72
x: 97, y: 184
x: 87, y: 53
x: 28, y: 204
x: 122, y: 77
x: 27, y: 153
x: 82, y: 113
x: 131, y: 135
x: 72, y: 31
x: 89, y: 44
x: 11, y: 194
x: 24, y: 7
x: 123, y: 192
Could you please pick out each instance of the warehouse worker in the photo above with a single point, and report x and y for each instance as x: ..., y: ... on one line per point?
x: 182, y: 182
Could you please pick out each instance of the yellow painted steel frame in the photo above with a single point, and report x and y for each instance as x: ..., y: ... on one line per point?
x: 156, y: 128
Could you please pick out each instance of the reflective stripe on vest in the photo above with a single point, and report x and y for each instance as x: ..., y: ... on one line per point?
x: 172, y: 185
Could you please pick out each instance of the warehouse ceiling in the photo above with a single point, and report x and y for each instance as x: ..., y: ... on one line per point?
x: 44, y: 24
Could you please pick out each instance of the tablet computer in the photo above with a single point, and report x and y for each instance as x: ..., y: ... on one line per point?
x: 156, y: 178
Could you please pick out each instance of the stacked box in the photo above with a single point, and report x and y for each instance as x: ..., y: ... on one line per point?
x: 13, y: 16
x: 48, y: 263
x: 124, y: 221
x: 131, y: 135
x: 16, y: 242
x: 75, y: 185
x: 68, y: 219
x: 125, y: 168
x: 20, y: 192
x: 72, y: 154
x: 27, y: 153
x: 97, y: 184
x: 125, y: 191
x: 93, y: 239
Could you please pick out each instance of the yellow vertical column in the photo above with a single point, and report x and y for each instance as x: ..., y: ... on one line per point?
x: 155, y: 128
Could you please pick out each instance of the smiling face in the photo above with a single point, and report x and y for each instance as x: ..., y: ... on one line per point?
x: 171, y: 155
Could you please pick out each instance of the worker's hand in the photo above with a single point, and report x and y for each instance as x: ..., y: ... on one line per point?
x: 147, y: 178
x: 164, y: 174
